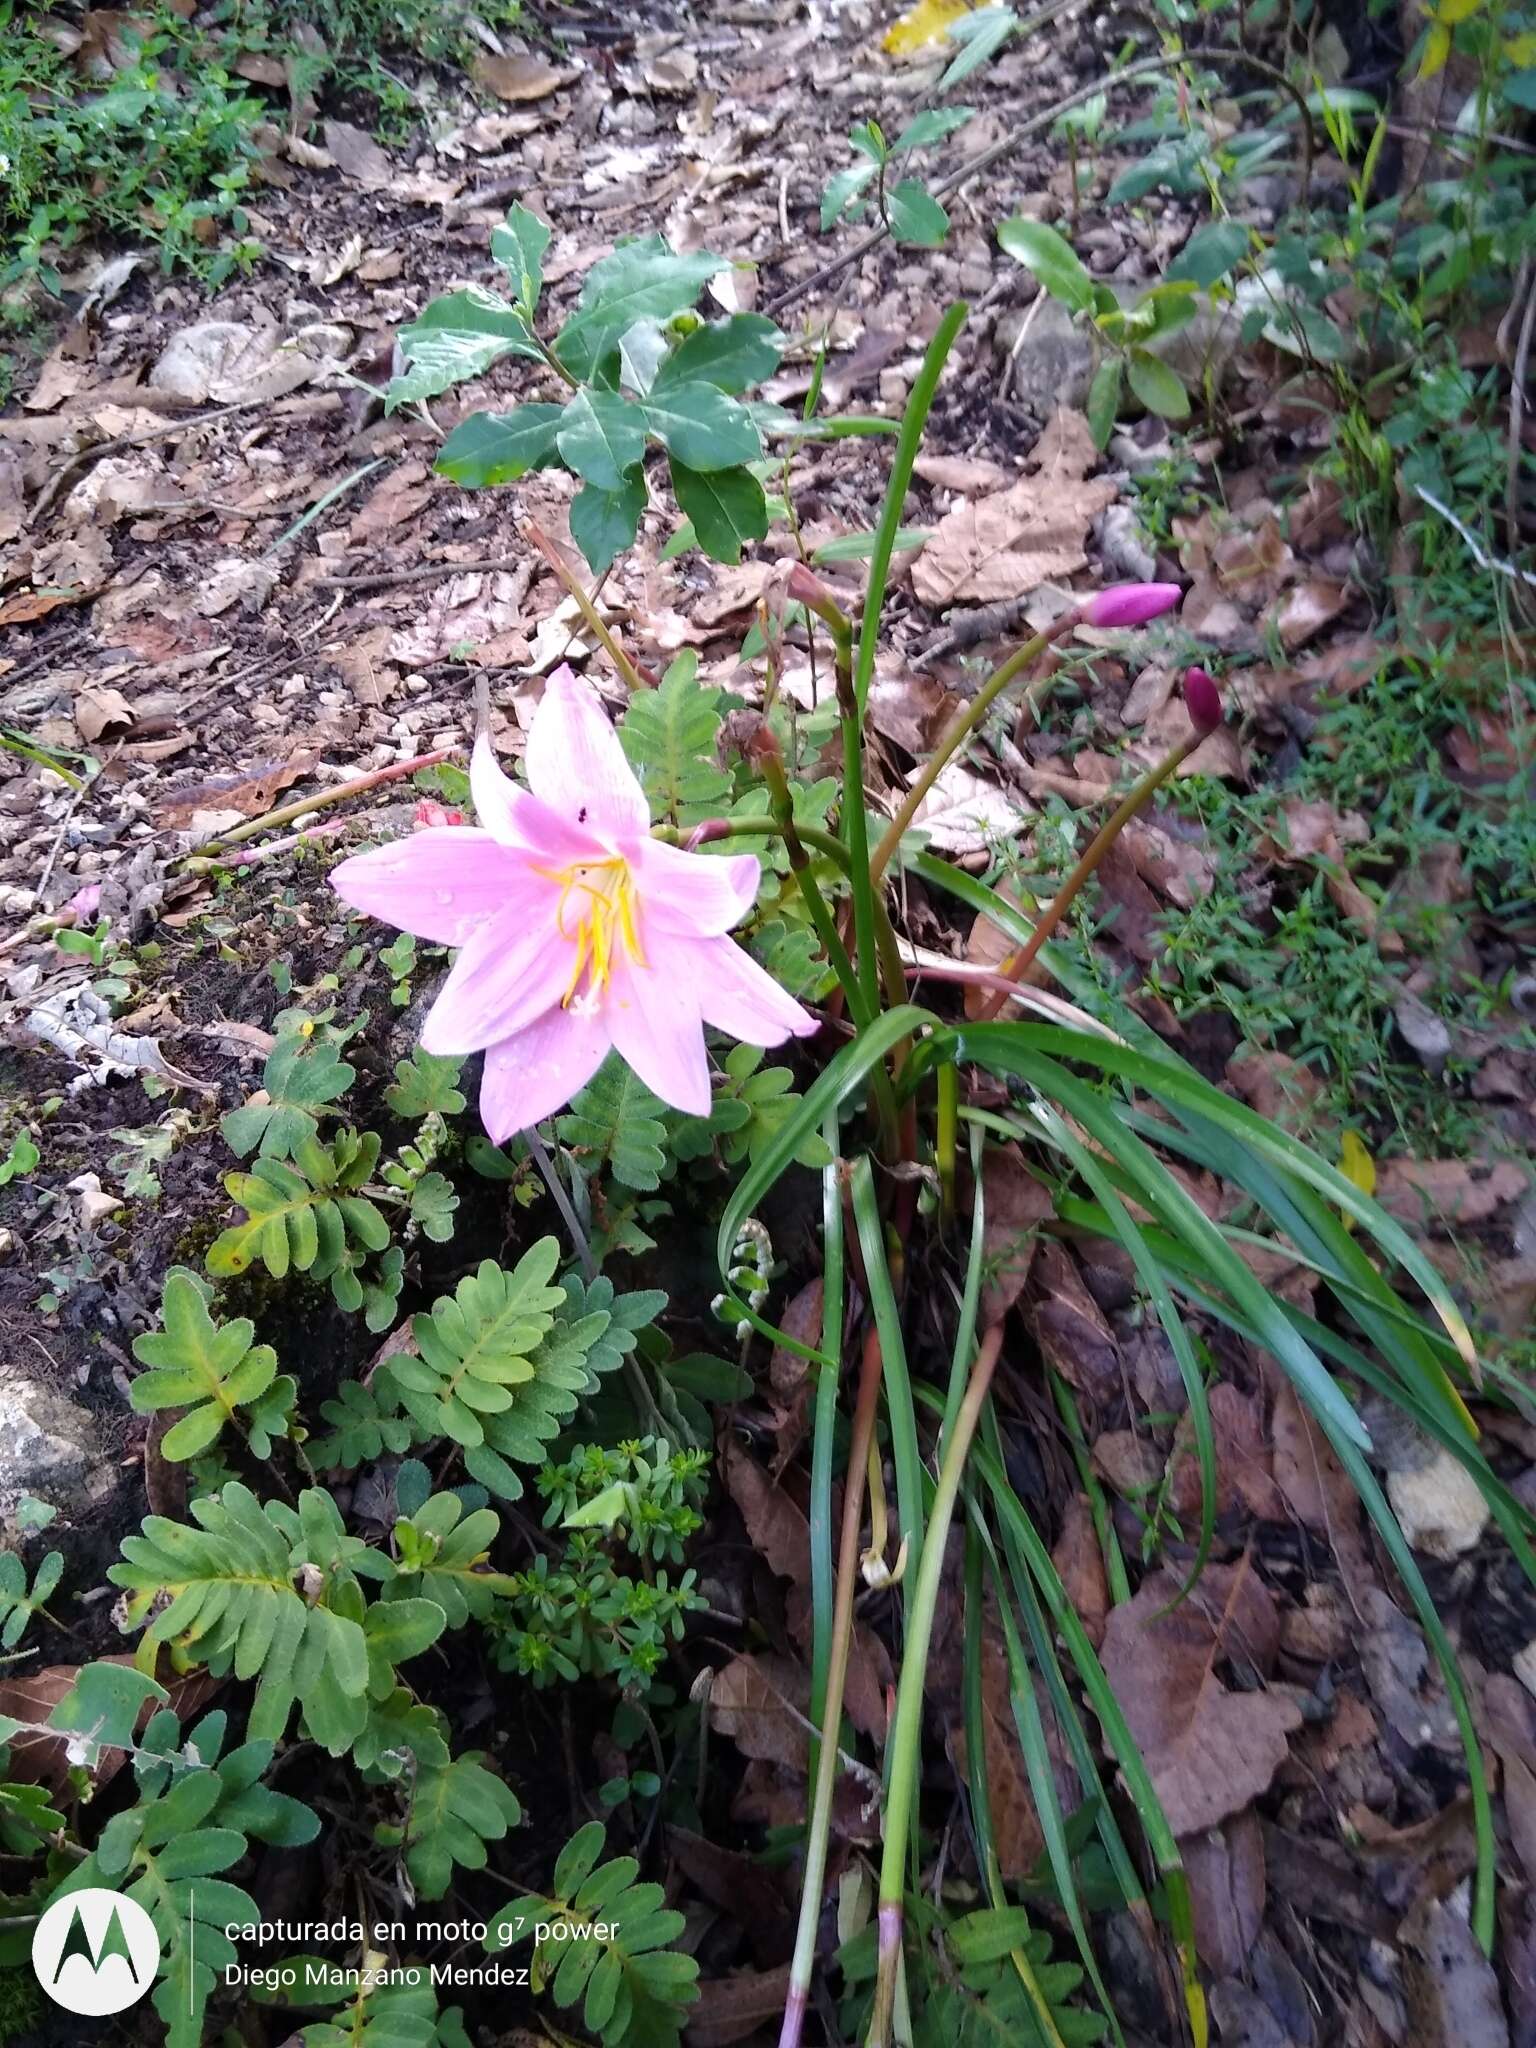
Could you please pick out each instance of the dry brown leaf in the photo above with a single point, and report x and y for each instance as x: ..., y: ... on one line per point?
x: 760, y: 1702
x: 1079, y: 1565
x: 250, y: 794
x: 60, y: 377
x: 1015, y: 1823
x: 42, y: 1759
x: 964, y: 813
x: 1225, y: 1872
x: 739, y: 1885
x: 520, y: 78
x: 1069, y: 1325
x: 1437, y: 1193
x: 1131, y: 1463
x: 1016, y: 1205
x: 789, y: 1373
x: 101, y: 710
x: 781, y: 1534
x: 732, y: 2008
x: 357, y: 156
x: 1210, y: 1751
x: 1006, y: 544
x: 1404, y: 1680
x: 970, y: 474
x: 1243, y: 1459
x: 1304, y: 611
x: 1449, y: 1988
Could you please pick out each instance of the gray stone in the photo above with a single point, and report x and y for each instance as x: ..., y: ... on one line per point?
x: 50, y: 1447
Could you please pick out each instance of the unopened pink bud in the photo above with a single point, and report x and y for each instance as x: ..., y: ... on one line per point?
x: 1131, y: 604
x: 1203, y: 700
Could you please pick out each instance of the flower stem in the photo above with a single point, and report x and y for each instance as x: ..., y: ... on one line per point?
x: 358, y: 786
x: 820, y: 1828
x: 961, y: 727
x: 782, y: 807
x: 907, y: 1729
x: 1016, y: 968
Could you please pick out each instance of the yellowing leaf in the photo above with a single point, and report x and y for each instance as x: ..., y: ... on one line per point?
x: 928, y: 22
x: 1357, y: 1166
x: 1521, y: 51
x: 1437, y: 47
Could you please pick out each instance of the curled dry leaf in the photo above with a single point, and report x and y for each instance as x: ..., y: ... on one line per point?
x: 250, y: 794
x: 1210, y: 1751
x: 520, y: 78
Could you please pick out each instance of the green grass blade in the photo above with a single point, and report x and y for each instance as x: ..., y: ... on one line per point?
x: 843, y: 1076
x: 824, y: 1432
x: 901, y: 1417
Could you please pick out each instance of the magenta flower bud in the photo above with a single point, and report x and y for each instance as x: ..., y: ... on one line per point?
x: 1203, y: 700
x: 1131, y: 604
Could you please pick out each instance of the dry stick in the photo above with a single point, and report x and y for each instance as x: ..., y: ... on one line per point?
x: 205, y: 857
x: 82, y: 457
x: 1020, y: 964
x: 428, y: 572
x: 572, y: 584
x: 1146, y: 67
x: 1517, y: 431
x: 820, y: 1829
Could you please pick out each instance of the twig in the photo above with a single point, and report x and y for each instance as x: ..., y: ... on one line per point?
x: 83, y: 457
x: 1517, y: 421
x: 1479, y: 555
x: 358, y: 786
x: 426, y: 572
x: 636, y: 677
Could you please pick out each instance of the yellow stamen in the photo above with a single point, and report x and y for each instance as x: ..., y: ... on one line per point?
x: 597, y: 899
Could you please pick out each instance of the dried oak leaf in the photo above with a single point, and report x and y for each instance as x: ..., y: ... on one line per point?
x: 999, y: 546
x: 1210, y: 1751
x: 760, y: 1702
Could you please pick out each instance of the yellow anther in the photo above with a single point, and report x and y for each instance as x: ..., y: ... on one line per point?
x: 597, y: 912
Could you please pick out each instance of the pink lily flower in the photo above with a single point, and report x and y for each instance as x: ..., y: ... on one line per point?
x: 577, y: 931
x: 1131, y: 604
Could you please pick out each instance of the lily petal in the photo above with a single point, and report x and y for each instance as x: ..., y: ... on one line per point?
x: 734, y: 993
x: 529, y: 1077
x: 576, y: 766
x: 440, y: 883
x: 656, y: 1026
x: 507, y: 974
x: 516, y: 817
x: 701, y: 894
